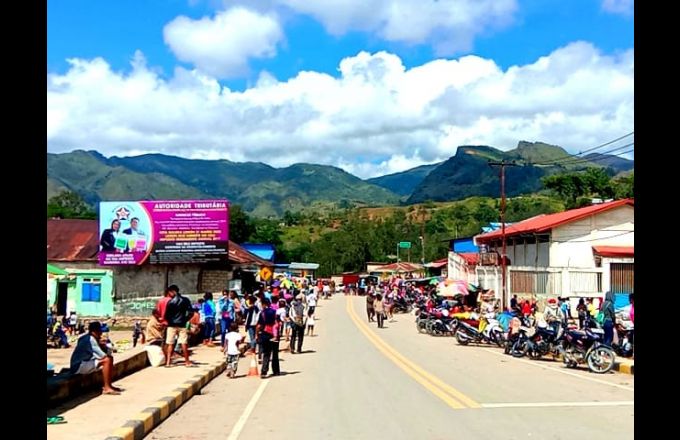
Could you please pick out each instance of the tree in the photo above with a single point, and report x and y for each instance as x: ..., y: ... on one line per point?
x: 485, y: 214
x: 69, y: 204
x: 598, y: 182
x: 568, y: 186
x: 240, y: 225
x: 267, y: 231
x: 576, y: 188
x: 624, y: 187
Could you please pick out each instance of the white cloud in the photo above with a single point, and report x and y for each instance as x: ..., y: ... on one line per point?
x: 449, y: 26
x: 377, y: 117
x: 221, y: 46
x: 623, y: 7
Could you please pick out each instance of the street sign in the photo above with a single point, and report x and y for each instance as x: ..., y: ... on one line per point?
x: 265, y: 274
x: 405, y: 244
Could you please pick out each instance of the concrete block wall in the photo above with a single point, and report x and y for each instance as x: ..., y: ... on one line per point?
x: 215, y: 280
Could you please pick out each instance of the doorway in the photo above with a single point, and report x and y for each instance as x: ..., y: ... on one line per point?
x: 62, y: 294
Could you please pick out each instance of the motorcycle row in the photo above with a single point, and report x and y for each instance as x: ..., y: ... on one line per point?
x: 524, y: 336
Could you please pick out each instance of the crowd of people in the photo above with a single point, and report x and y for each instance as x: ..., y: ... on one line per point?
x: 269, y: 315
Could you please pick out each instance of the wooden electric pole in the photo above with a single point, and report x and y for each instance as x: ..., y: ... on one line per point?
x: 502, y: 164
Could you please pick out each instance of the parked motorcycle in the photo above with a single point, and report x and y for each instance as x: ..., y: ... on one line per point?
x: 466, y: 333
x: 624, y: 347
x: 545, y: 340
x: 585, y: 346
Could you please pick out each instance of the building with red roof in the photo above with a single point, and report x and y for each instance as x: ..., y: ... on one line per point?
x: 579, y: 252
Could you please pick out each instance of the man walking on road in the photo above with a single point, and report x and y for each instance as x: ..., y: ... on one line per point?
x: 379, y: 310
x: 177, y: 314
x: 268, y: 334
x: 370, y: 311
x: 297, y: 319
x: 311, y: 300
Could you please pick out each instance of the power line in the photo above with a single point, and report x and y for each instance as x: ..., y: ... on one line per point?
x: 597, y: 159
x: 548, y: 162
x: 583, y: 160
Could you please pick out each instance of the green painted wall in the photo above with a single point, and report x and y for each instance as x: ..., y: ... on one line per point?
x: 91, y: 308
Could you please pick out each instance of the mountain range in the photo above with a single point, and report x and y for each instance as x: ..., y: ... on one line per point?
x: 260, y: 189
x: 468, y: 173
x: 265, y: 191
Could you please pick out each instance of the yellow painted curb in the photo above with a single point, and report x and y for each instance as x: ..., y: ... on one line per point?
x: 625, y: 368
x: 124, y: 434
x: 146, y: 418
x: 134, y: 431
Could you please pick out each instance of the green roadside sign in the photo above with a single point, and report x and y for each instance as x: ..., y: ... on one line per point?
x: 405, y: 244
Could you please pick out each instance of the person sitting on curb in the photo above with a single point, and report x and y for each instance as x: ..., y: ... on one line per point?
x: 154, y: 329
x: 88, y: 357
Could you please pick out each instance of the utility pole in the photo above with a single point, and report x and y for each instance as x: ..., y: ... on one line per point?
x: 502, y: 164
x: 422, y: 234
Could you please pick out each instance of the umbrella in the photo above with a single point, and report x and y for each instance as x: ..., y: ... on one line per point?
x: 434, y: 281
x: 286, y: 283
x: 276, y: 283
x: 450, y: 288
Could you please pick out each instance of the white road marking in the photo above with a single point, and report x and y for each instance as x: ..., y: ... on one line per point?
x: 238, y: 427
x: 569, y: 373
x: 555, y: 404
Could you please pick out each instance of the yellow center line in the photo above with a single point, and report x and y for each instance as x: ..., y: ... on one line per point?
x: 452, y: 397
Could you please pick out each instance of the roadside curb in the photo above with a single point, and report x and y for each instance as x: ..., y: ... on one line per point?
x: 149, y: 418
x: 624, y: 368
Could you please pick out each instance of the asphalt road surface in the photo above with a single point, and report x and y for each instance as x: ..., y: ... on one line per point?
x: 355, y: 381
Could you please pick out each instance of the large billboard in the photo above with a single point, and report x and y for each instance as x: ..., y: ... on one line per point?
x: 163, y: 231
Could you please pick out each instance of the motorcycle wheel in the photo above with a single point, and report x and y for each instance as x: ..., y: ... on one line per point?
x: 462, y: 340
x: 421, y: 326
x: 499, y: 338
x: 428, y: 326
x: 601, y: 359
x: 534, y: 353
x: 519, y: 348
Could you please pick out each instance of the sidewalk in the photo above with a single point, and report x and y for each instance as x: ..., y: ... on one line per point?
x: 96, y: 416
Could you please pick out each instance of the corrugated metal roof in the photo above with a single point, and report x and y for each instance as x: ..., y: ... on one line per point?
x: 239, y: 255
x: 78, y: 240
x: 471, y: 258
x: 304, y: 266
x: 54, y: 270
x: 72, y: 240
x: 615, y: 251
x: 543, y: 223
x: 399, y: 267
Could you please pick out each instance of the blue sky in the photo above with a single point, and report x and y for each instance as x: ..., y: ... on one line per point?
x: 281, y: 38
x: 115, y: 30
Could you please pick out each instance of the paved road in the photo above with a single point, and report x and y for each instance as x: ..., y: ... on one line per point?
x: 360, y: 382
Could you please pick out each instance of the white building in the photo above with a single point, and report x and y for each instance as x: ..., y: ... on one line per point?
x: 582, y: 252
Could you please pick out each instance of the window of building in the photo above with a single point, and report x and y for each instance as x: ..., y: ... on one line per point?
x: 92, y: 290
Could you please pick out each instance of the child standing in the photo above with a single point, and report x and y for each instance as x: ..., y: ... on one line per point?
x: 136, y: 333
x: 231, y: 343
x: 310, y: 322
x: 72, y: 323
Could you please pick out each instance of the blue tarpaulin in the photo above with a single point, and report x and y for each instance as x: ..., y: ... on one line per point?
x: 620, y: 300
